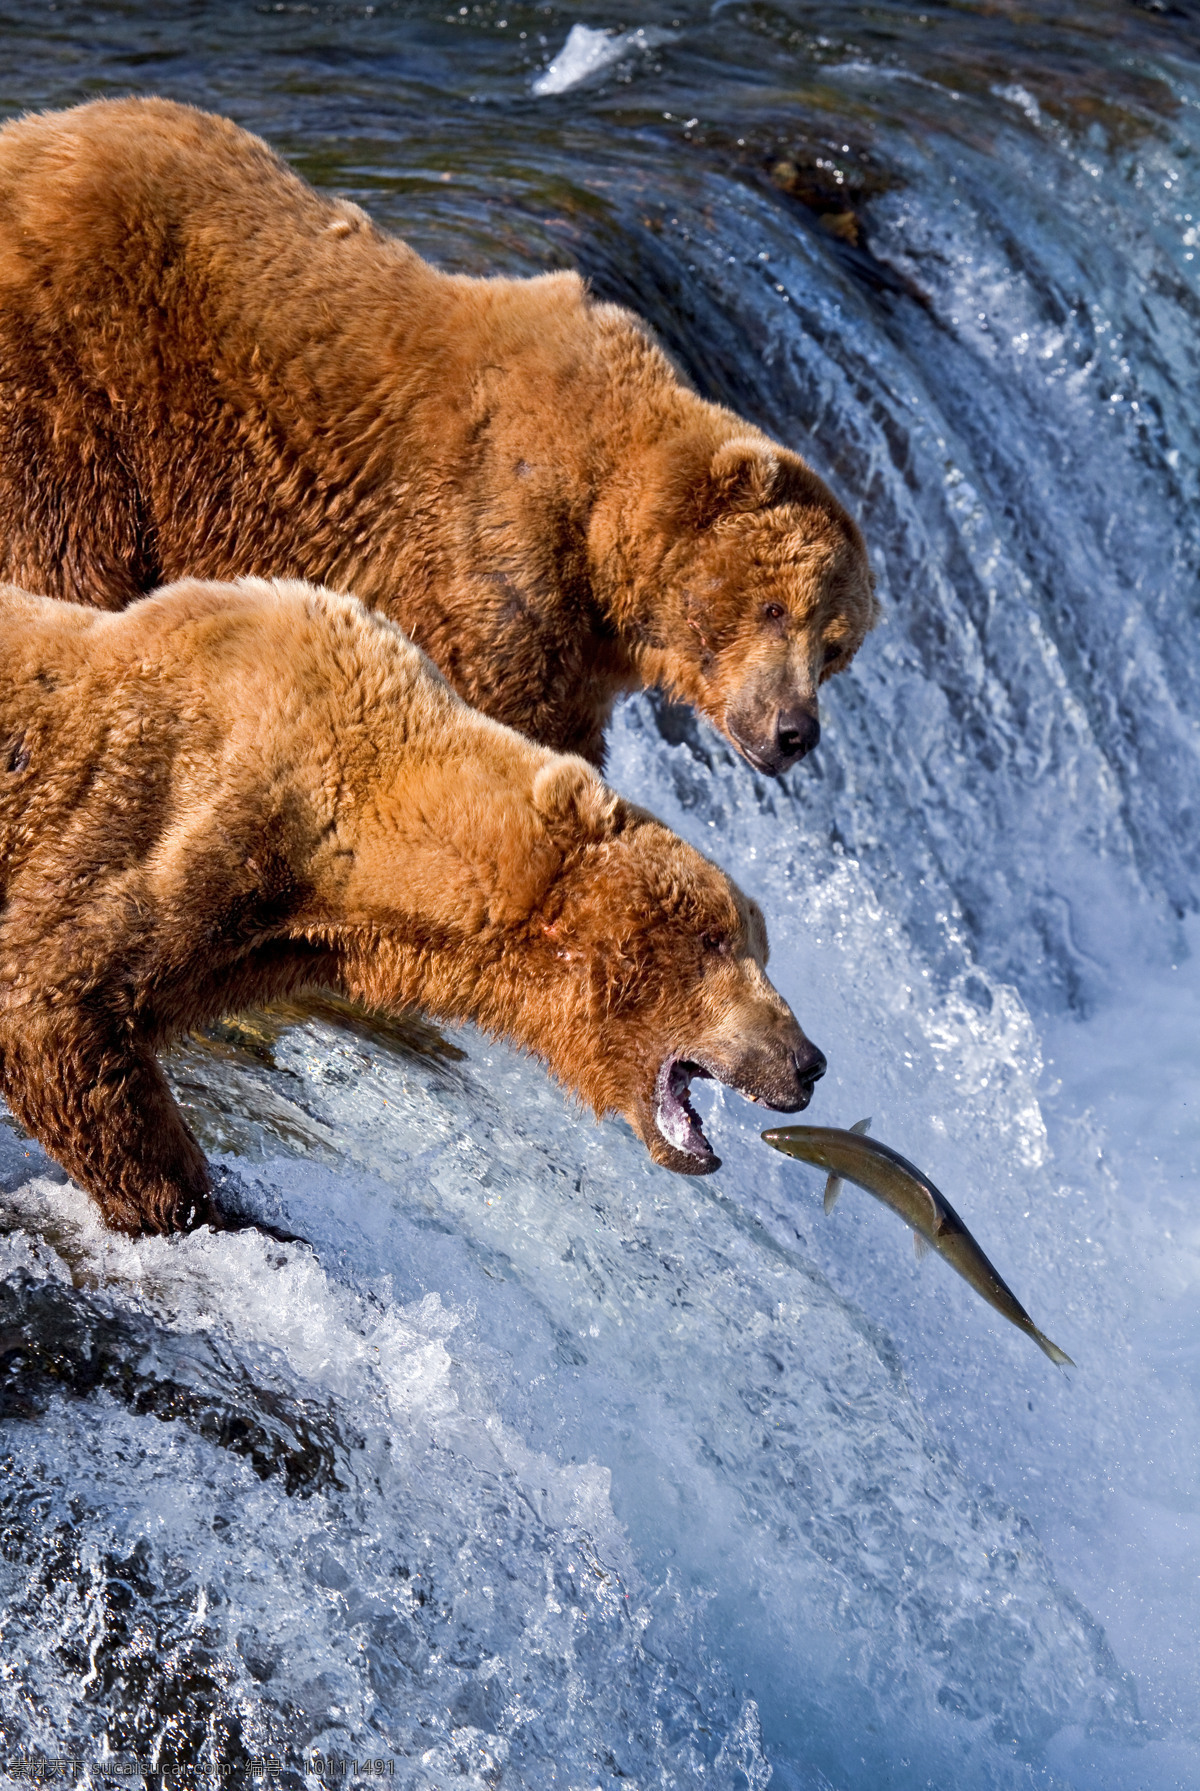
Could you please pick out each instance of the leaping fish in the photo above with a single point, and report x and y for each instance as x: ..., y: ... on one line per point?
x: 853, y: 1157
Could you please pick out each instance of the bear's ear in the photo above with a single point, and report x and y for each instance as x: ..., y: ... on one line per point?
x: 567, y: 793
x: 742, y: 475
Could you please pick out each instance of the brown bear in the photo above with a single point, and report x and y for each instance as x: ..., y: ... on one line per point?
x: 208, y: 370
x: 227, y: 793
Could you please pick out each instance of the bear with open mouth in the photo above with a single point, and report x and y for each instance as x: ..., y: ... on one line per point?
x: 225, y: 794
x: 209, y: 370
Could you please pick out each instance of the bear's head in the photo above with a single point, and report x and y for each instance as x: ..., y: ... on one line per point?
x: 654, y: 961
x: 748, y: 586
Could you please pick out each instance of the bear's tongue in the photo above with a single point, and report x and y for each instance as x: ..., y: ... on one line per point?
x: 674, y: 1114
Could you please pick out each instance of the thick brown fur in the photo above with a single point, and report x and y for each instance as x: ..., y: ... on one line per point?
x: 208, y: 370
x: 227, y: 793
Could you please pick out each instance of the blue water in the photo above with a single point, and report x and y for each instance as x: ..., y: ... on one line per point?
x: 552, y: 1469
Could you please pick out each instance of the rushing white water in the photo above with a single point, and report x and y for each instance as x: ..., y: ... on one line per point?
x: 589, y: 53
x: 544, y: 1467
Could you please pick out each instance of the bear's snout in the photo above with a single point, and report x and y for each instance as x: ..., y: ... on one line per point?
x: 774, y: 743
x: 797, y: 731
x: 810, y: 1065
x: 781, y: 1074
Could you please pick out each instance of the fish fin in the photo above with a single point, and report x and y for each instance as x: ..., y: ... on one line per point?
x: 1056, y: 1355
x: 833, y: 1186
x: 921, y: 1246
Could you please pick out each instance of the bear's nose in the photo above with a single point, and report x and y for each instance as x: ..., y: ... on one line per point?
x: 810, y: 1064
x: 796, y: 733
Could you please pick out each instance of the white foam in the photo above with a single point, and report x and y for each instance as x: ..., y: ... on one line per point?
x: 589, y: 50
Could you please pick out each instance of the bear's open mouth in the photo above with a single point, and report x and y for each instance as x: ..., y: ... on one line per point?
x: 674, y: 1114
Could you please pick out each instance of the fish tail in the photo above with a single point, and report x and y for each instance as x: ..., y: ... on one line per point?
x: 1056, y: 1355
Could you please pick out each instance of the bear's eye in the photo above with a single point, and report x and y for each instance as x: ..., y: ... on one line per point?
x: 716, y: 942
x: 773, y: 612
x: 832, y: 652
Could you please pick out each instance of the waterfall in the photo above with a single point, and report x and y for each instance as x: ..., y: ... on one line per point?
x: 544, y: 1467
